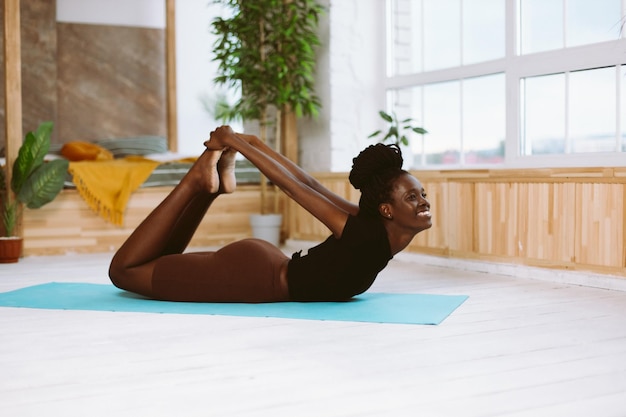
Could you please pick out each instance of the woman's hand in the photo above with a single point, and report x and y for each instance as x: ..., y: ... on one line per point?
x: 219, y: 138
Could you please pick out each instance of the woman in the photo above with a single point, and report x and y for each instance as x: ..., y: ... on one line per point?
x: 391, y: 211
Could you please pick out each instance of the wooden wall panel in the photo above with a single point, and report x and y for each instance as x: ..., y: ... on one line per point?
x: 496, y: 218
x: 560, y: 218
x: 600, y: 219
x: 461, y: 217
x: 566, y: 218
x: 67, y: 225
x: 548, y: 224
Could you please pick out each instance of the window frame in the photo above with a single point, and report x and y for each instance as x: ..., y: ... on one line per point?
x: 516, y: 67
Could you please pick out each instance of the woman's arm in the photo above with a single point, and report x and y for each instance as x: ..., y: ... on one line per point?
x: 290, y: 182
x: 300, y: 174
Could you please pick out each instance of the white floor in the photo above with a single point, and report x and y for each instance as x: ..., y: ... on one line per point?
x: 517, y: 347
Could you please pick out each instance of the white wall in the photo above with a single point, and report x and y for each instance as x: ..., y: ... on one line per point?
x: 314, y: 134
x: 140, y: 13
x: 356, y: 74
x: 195, y: 72
x: 349, y: 82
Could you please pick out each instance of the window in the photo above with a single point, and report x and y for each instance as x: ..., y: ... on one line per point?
x: 553, y: 24
x: 509, y: 82
x: 622, y: 111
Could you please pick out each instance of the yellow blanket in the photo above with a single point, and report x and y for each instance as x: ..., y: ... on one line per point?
x: 106, y: 185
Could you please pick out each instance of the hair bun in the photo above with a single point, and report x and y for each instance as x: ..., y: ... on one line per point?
x: 374, y: 161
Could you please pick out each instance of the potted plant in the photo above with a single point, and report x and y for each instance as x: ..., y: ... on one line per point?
x: 34, y: 183
x: 265, y: 49
x: 397, y: 130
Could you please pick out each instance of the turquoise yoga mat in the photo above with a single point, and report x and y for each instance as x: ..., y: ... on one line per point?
x: 368, y: 307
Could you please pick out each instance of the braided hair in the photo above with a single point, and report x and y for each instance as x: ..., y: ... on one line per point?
x: 374, y: 172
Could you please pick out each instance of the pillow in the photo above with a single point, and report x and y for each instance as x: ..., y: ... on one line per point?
x: 85, y: 151
x: 141, y: 145
x: 55, y: 148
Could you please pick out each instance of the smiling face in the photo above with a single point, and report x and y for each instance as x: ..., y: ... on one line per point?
x: 408, y: 207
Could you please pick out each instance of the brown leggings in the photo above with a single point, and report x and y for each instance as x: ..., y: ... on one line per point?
x: 245, y: 271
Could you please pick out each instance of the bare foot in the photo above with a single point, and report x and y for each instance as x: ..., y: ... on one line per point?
x: 226, y: 171
x: 213, y: 145
x: 205, y: 171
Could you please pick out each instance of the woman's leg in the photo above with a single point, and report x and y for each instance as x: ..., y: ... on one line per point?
x: 151, y: 261
x: 170, y: 226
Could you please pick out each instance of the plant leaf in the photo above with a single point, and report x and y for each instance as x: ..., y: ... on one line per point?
x: 374, y: 134
x: 24, y: 163
x: 44, y: 184
x: 385, y: 116
x: 43, y: 132
x: 419, y: 130
x: 9, y: 217
x: 31, y: 155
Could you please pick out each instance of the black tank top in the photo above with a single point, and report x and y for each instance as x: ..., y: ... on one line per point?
x: 338, y: 269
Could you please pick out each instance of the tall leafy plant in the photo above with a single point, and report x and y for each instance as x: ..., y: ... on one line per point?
x: 266, y: 51
x: 34, y: 182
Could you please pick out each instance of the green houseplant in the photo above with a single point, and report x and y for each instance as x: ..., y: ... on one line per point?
x: 265, y: 50
x: 397, y: 129
x: 34, y: 183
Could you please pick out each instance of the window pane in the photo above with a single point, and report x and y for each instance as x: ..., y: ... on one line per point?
x: 407, y: 103
x: 484, y: 119
x: 442, y: 34
x: 404, y: 37
x: 592, y: 110
x: 592, y: 21
x: 442, y: 119
x: 541, y: 23
x: 623, y: 107
x: 543, y: 124
x: 483, y: 30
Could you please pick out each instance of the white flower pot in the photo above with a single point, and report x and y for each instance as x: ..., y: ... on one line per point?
x: 266, y: 227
